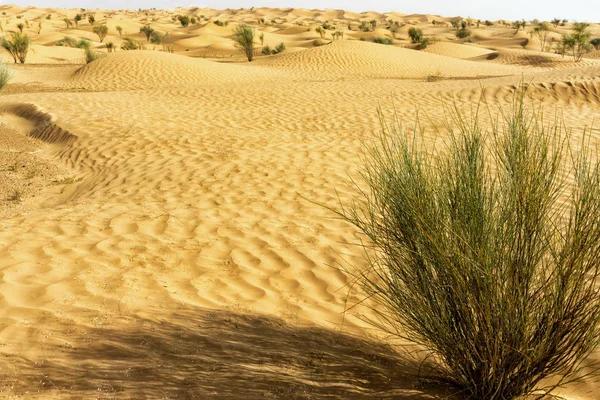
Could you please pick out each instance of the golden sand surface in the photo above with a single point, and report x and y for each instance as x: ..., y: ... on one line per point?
x: 162, y: 230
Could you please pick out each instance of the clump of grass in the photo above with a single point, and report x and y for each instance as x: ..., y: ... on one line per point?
x: 381, y: 40
x: 92, y: 55
x: 483, y: 253
x: 5, y: 75
x: 438, y: 76
x: 129, y: 44
x: 266, y: 50
x: 17, y: 46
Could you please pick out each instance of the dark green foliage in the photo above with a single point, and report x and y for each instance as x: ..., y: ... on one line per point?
x: 463, y: 31
x: 129, y: 44
x: 148, y: 31
x: 415, y: 35
x: 483, y: 253
x: 381, y: 40
x: 596, y: 43
x: 266, y: 50
x: 4, y: 75
x: 184, y: 20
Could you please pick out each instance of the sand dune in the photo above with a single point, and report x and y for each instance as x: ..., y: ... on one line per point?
x: 162, y: 230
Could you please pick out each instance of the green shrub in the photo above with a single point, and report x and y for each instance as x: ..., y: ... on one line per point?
x: 483, y: 253
x: 362, y: 39
x: 148, y: 31
x: 91, y: 19
x: 129, y: 44
x: 219, y: 23
x: 280, y: 47
x: 415, y: 35
x: 67, y: 41
x: 243, y: 37
x: 422, y: 45
x: 101, y: 31
x: 184, y: 20
x: 49, y: 16
x: 91, y: 55
x: 83, y: 44
x: 17, y: 46
x: 381, y: 40
x: 596, y: 43
x: 266, y: 50
x: 5, y: 75
x: 579, y: 41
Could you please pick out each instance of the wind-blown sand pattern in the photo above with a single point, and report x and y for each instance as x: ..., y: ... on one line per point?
x: 162, y: 230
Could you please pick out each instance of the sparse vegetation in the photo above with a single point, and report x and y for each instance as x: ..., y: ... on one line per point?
x: 5, y: 75
x: 77, y: 18
x: 484, y: 255
x: 596, y: 43
x: 110, y: 47
x: 415, y: 35
x: 120, y: 30
x: 101, y: 31
x: 541, y: 33
x: 243, y: 37
x: 91, y: 19
x: 579, y: 41
x: 184, y: 20
x: 17, y: 46
x: 462, y: 30
x: 148, y: 31
x: 381, y: 40
x: 20, y: 27
x: 320, y: 31
x: 91, y: 55
x: 129, y: 44
x: 68, y: 23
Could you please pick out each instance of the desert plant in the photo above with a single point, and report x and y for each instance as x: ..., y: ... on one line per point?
x: 541, y: 32
x: 129, y: 44
x: 596, y: 43
x: 243, y: 37
x: 266, y: 50
x: 148, y: 31
x: 482, y: 253
x: 20, y: 27
x: 279, y: 48
x: 91, y: 19
x: 83, y: 44
x: 101, y: 31
x: 415, y: 35
x: 193, y: 20
x: 119, y: 29
x: 423, y: 43
x: 381, y: 40
x: 262, y: 38
x: 519, y: 24
x: 219, y: 23
x: 67, y: 41
x: 320, y: 31
x: 17, y: 46
x: 184, y: 20
x: 68, y: 22
x: 49, y: 16
x: 578, y: 42
x: 555, y: 22
x: 110, y: 47
x: 77, y: 18
x: 5, y: 75
x: 373, y: 24
x: 363, y: 27
x: 463, y: 31
x: 338, y: 35
x: 39, y: 28
x: 91, y: 55
x: 488, y: 23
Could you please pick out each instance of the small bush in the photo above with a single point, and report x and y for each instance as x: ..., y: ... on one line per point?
x: 422, y: 45
x: 67, y: 41
x: 596, y: 43
x: 17, y: 46
x: 101, y: 31
x: 184, y: 20
x: 484, y: 254
x: 147, y: 30
x: 5, y: 75
x: 91, y: 19
x: 219, y: 23
x: 243, y: 37
x: 266, y: 50
x: 110, y: 47
x: 129, y: 44
x: 381, y: 40
x: 362, y: 39
x: 91, y: 55
x: 280, y: 47
x: 415, y: 35
x: 49, y: 16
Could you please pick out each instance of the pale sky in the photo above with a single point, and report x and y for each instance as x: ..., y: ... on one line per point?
x: 578, y: 10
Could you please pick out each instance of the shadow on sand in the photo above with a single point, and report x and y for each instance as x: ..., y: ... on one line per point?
x: 198, y: 354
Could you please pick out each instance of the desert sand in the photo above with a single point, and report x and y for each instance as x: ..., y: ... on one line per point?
x: 162, y: 230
